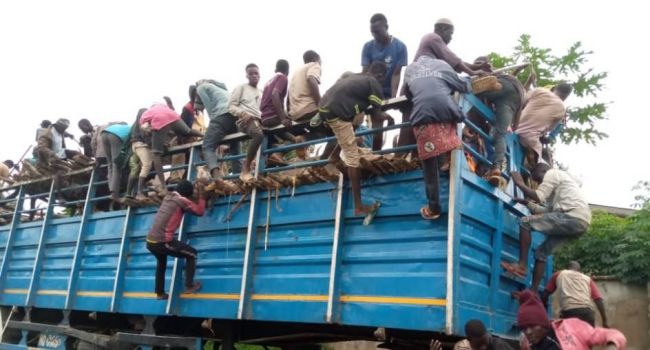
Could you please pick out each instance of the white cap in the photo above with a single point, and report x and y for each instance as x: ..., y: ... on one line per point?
x: 444, y: 20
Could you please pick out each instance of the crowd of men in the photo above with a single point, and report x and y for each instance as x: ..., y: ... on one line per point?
x: 430, y: 81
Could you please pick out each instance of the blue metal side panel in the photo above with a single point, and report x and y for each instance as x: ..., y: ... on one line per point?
x: 94, y: 283
x: 293, y: 260
x: 400, y: 259
x: 4, y: 233
x: 140, y: 269
x: 56, y: 262
x: 20, y: 263
x: 489, y: 233
x: 219, y: 265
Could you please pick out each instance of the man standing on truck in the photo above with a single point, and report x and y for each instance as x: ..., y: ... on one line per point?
x: 435, y: 45
x: 343, y: 107
x: 562, y: 215
x: 385, y: 48
x: 160, y: 239
x: 576, y: 291
x: 429, y: 84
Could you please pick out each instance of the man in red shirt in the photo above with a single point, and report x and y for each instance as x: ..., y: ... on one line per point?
x: 576, y: 291
x: 160, y: 239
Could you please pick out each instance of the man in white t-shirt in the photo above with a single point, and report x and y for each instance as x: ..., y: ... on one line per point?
x: 575, y: 292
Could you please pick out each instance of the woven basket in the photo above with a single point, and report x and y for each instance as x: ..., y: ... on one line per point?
x: 483, y: 84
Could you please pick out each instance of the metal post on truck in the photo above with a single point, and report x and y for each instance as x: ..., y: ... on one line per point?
x: 36, y: 270
x: 15, y: 220
x: 118, y: 284
x: 79, y: 247
x: 251, y: 238
x: 175, y: 280
x: 332, y: 314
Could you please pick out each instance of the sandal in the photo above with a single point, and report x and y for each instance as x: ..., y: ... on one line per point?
x: 513, y: 269
x: 427, y: 214
x: 371, y: 214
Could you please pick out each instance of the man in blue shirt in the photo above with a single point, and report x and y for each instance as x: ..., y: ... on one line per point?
x: 390, y: 51
x: 385, y: 48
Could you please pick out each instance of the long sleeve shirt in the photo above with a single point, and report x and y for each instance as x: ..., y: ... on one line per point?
x: 245, y: 99
x: 170, y: 214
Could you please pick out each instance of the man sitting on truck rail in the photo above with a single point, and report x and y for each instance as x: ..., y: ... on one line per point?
x: 244, y: 104
x: 160, y: 239
x: 562, y: 215
x: 213, y: 96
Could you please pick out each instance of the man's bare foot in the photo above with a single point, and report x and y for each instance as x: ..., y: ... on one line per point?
x: 368, y: 211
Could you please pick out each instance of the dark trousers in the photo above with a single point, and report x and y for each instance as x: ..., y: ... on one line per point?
x: 584, y: 313
x: 176, y: 249
x: 112, y: 146
x: 432, y: 183
x: 219, y: 128
x: 272, y: 122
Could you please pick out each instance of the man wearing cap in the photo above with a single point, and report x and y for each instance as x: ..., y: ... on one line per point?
x: 51, y: 144
x: 435, y: 45
x: 567, y: 334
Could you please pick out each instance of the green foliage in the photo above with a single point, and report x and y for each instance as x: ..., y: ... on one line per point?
x: 642, y: 195
x: 571, y: 67
x: 613, y: 246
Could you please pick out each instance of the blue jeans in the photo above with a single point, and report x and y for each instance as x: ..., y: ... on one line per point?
x: 558, y: 228
x: 218, y: 128
x: 506, y: 104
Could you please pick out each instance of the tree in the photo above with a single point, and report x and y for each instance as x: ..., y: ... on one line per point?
x: 642, y: 196
x: 568, y: 67
x: 613, y: 246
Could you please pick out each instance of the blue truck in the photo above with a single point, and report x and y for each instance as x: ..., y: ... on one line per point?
x: 291, y: 267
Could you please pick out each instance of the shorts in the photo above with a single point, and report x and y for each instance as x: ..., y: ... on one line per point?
x: 435, y: 139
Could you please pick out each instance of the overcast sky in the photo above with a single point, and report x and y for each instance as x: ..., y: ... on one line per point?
x: 102, y: 60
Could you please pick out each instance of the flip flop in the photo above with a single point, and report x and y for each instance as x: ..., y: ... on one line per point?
x: 428, y: 214
x: 513, y: 269
x: 371, y: 214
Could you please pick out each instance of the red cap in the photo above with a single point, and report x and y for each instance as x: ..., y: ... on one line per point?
x: 531, y: 311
